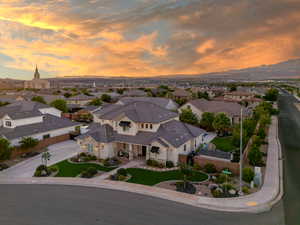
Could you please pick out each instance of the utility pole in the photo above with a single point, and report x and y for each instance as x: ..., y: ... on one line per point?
x: 241, y: 153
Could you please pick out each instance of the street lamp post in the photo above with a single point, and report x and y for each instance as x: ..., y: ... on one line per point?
x: 241, y: 153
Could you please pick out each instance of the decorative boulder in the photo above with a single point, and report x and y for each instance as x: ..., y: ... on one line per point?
x: 232, y: 191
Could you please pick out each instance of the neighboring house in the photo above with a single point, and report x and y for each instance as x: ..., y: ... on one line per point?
x: 162, y: 102
x: 211, y: 91
x: 231, y: 109
x: 11, y: 98
x: 80, y: 100
x: 135, y: 93
x: 239, y: 96
x: 139, y: 130
x: 114, y: 96
x: 32, y: 119
x: 181, y: 94
x: 84, y: 114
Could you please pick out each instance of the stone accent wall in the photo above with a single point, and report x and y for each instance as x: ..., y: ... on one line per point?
x: 42, y: 144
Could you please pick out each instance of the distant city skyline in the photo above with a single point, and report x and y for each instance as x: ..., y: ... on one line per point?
x: 144, y: 37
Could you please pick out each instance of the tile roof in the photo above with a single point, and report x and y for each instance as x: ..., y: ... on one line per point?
x: 49, y: 123
x: 22, y: 109
x: 162, y: 102
x: 144, y: 112
x: 173, y: 132
x: 230, y: 108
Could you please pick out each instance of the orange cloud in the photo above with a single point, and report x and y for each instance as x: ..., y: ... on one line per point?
x: 194, y: 38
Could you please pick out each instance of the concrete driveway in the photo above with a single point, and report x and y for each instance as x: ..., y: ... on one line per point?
x: 58, y: 153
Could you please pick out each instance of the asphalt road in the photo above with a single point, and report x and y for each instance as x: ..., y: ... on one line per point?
x: 70, y: 205
x: 289, y: 134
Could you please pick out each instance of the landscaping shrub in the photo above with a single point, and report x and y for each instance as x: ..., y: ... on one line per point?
x: 245, y: 190
x: 41, y: 167
x: 93, y: 157
x: 5, y: 149
x: 186, y: 188
x: 257, y: 141
x: 261, y: 132
x: 210, y: 168
x: 3, y: 166
x: 154, y: 163
x: 92, y: 170
x: 169, y: 164
x: 217, y: 193
x: 149, y: 162
x: 89, y: 172
x: 114, y: 177
x: 221, y: 179
x: 255, y: 156
x: 42, y: 171
x: 197, y: 166
x: 161, y: 165
x: 227, y: 187
x: 121, y: 177
x: 82, y: 154
x: 248, y: 174
x: 122, y: 172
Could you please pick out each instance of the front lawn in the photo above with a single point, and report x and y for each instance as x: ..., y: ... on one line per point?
x: 67, y: 169
x: 148, y: 177
x: 224, y: 143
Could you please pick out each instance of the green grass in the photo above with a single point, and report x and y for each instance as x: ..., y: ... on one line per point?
x: 224, y: 143
x: 67, y: 169
x: 148, y: 177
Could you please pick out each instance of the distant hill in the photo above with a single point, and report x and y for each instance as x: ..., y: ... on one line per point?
x: 286, y: 69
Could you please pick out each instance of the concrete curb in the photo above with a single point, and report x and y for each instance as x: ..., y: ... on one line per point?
x: 263, y: 200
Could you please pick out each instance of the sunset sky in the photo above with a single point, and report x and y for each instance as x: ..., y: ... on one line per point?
x: 144, y: 37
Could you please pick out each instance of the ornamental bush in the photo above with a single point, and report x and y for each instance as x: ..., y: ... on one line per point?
x: 248, y: 174
x: 210, y: 168
x: 89, y: 172
x: 122, y: 172
x: 169, y: 164
x: 221, y: 179
x: 255, y: 156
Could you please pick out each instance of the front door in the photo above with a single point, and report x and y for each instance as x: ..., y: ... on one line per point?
x: 144, y: 151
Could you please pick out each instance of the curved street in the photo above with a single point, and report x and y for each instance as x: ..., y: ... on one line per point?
x: 70, y: 205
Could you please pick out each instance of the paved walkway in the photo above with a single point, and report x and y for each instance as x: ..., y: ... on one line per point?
x: 130, y: 164
x: 263, y: 200
x: 27, y: 167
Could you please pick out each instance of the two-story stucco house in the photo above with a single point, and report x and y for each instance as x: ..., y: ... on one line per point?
x: 139, y: 130
x: 231, y: 109
x: 32, y: 119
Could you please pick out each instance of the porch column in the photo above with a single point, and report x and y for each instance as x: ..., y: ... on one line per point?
x: 147, y: 152
x: 130, y: 152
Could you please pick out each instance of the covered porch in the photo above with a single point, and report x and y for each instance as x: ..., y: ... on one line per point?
x: 131, y: 151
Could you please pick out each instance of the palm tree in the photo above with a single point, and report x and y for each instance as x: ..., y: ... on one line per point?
x: 46, y: 157
x: 186, y: 172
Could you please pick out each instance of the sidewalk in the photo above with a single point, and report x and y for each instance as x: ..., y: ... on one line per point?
x: 263, y: 200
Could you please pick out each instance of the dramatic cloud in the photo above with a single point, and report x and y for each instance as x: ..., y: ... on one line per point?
x: 145, y: 37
